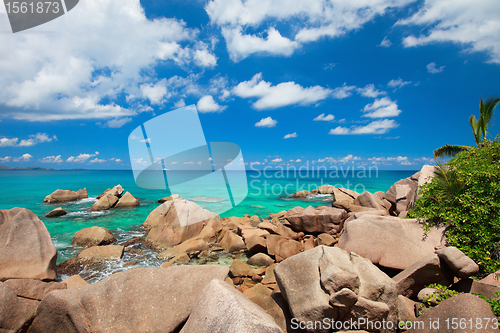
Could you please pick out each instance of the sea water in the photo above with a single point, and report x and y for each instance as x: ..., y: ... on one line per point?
x: 28, y: 188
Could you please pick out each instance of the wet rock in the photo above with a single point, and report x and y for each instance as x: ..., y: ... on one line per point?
x: 127, y: 201
x: 169, y: 198
x: 65, y: 196
x: 56, y: 212
x: 93, y: 236
x: 105, y: 252
x: 106, y: 202
x: 117, y: 191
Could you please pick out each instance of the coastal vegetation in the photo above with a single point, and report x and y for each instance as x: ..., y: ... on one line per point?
x: 465, y: 196
x: 479, y: 127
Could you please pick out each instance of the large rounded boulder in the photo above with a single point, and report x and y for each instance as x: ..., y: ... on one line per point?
x: 167, y: 229
x: 26, y: 249
x: 138, y: 300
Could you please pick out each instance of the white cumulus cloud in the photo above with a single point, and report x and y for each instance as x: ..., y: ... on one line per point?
x: 266, y: 122
x: 473, y: 24
x: 399, y: 83
x: 81, y: 158
x: 375, y: 127
x: 433, y: 69
x: 382, y: 108
x: 207, y: 104
x: 283, y: 94
x: 322, y: 117
x: 292, y: 135
x: 370, y: 91
x: 51, y: 159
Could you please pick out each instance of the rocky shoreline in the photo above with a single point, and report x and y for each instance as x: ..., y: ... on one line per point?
x: 354, y: 259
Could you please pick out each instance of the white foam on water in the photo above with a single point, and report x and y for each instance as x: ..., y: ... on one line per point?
x: 86, y: 200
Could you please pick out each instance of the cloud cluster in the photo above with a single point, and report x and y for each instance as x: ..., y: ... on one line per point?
x: 433, y: 69
x: 102, y: 53
x: 312, y: 20
x: 33, y: 140
x: 283, y: 94
x: 82, y: 158
x: 375, y: 127
x: 292, y: 135
x: 472, y: 24
x: 207, y: 104
x: 322, y: 117
x: 382, y: 108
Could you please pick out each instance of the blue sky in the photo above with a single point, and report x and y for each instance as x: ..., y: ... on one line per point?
x: 368, y: 82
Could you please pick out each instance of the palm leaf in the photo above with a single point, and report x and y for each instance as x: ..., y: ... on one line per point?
x: 449, y: 150
x: 487, y: 110
x: 475, y: 129
x: 448, y: 183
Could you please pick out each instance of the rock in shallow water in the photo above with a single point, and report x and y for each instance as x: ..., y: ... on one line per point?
x: 65, y: 196
x: 93, y: 236
x: 56, y: 212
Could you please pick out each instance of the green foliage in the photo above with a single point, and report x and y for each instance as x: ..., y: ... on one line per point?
x: 493, y: 302
x: 440, y: 294
x: 449, y: 151
x: 465, y: 196
x: 479, y: 127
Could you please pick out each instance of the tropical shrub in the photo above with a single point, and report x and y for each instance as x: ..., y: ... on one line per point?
x: 465, y: 196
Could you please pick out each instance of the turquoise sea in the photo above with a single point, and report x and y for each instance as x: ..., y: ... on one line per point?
x: 28, y: 188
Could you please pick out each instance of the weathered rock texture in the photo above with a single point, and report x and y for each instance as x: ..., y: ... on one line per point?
x: 141, y: 299
x: 328, y: 282
x: 221, y: 308
x: 66, y: 195
x: 26, y: 249
x: 93, y: 236
x: 390, y: 241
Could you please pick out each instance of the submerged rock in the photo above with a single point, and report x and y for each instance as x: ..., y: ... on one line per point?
x: 66, y: 195
x: 56, y: 212
x: 26, y: 249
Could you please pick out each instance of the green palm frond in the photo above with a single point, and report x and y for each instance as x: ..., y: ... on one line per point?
x: 476, y: 130
x: 487, y: 109
x: 449, y: 151
x: 448, y: 183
